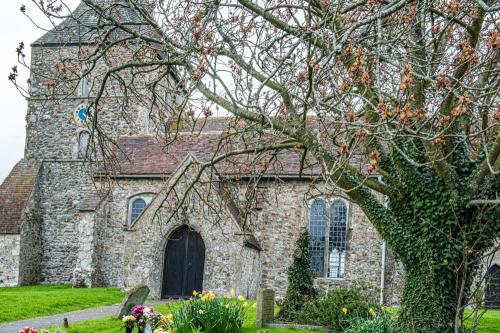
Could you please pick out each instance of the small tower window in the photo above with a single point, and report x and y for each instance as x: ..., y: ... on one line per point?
x: 138, y: 206
x: 83, y: 144
x: 85, y: 87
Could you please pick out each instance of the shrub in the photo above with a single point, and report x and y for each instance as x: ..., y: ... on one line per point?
x: 380, y: 323
x: 300, y: 280
x: 340, y: 307
x: 209, y: 314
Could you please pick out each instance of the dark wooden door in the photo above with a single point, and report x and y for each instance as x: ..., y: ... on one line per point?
x: 492, y: 297
x: 184, y: 264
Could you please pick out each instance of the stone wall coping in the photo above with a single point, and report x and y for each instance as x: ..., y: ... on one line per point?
x: 298, y: 327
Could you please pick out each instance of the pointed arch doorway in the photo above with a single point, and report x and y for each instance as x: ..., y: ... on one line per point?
x: 183, y: 264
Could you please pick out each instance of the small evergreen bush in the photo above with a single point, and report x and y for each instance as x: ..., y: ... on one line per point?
x: 300, y: 280
x: 340, y: 307
x: 380, y: 323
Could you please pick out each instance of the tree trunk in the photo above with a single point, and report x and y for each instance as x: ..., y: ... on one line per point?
x: 428, y: 303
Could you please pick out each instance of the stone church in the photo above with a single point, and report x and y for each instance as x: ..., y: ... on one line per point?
x: 61, y: 223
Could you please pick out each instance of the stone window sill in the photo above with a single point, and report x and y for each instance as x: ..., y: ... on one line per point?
x: 326, y: 279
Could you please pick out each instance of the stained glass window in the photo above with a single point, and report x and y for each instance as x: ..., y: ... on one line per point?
x: 334, y: 220
x: 137, y: 208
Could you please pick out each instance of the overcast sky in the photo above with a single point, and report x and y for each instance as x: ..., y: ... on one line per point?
x: 15, y: 27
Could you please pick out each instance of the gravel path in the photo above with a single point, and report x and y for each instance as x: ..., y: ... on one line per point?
x: 75, y: 316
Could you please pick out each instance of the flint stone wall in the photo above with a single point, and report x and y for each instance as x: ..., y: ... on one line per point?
x: 62, y: 186
x: 30, y: 251
x: 9, y: 260
x: 112, y: 227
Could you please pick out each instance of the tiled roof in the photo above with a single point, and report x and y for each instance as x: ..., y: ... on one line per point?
x: 146, y: 155
x: 80, y: 26
x: 15, y: 192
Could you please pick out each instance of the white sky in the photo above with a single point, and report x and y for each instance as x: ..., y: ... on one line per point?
x: 15, y: 27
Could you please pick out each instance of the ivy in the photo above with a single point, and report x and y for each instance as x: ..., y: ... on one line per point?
x: 300, y: 280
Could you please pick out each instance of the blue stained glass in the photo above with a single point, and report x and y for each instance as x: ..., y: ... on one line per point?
x: 317, y: 229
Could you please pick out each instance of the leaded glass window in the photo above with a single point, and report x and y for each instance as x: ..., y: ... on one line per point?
x: 328, y: 248
x: 337, y: 239
x: 138, y: 206
x: 317, y: 229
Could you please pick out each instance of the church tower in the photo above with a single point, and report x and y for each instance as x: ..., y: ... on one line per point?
x: 66, y: 78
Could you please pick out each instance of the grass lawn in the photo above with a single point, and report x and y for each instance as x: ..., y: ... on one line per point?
x: 36, y: 301
x: 489, y: 324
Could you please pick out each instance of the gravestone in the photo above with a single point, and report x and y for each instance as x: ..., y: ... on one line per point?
x: 265, y: 306
x: 135, y: 296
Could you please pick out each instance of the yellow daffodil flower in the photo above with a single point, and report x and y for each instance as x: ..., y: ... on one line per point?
x: 344, y: 310
x: 127, y: 319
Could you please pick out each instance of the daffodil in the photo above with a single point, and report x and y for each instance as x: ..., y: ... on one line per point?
x: 170, y: 317
x: 241, y: 298
x: 232, y: 292
x: 195, y: 293
x: 128, y: 319
x: 201, y: 312
x: 372, y: 312
x: 344, y: 310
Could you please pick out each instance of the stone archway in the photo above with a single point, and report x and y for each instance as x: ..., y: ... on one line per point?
x: 183, y: 265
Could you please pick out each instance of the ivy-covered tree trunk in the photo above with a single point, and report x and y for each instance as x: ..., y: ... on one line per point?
x: 428, y: 302
x: 440, y: 238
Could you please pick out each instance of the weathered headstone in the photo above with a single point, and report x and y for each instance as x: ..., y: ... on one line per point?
x: 265, y: 306
x: 135, y: 296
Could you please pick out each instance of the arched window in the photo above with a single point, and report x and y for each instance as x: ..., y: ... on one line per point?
x: 328, y: 225
x: 83, y: 143
x: 137, y: 208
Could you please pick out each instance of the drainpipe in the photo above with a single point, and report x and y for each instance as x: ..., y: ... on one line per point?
x: 382, y: 273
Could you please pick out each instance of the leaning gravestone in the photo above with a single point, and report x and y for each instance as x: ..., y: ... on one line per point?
x: 135, y: 296
x: 265, y: 306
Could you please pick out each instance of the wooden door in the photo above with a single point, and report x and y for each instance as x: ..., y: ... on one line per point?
x: 184, y: 264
